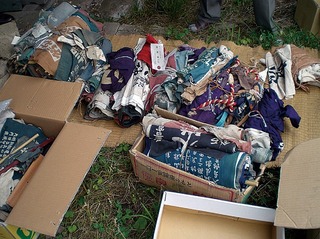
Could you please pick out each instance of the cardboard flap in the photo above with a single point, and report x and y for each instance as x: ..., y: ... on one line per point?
x: 41, y: 97
x: 54, y: 185
x: 299, y: 188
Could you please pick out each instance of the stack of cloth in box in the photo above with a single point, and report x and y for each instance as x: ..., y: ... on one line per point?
x: 20, y: 145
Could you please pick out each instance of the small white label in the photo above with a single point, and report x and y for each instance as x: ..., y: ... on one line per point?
x: 15, y: 40
x: 157, y: 56
x: 38, y: 30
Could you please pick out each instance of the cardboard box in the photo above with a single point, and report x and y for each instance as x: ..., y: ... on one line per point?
x: 188, y: 216
x: 158, y: 174
x: 299, y: 189
x: 13, y: 232
x: 50, y: 191
x: 307, y: 15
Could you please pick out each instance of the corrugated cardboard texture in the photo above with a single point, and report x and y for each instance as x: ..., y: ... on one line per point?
x: 307, y: 15
x: 52, y: 188
x: 31, y: 100
x: 299, y: 189
x: 307, y: 105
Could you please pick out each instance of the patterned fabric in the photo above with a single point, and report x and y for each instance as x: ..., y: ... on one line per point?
x: 120, y: 70
x: 12, y: 135
x: 195, y: 72
x: 230, y: 170
x: 161, y: 134
x: 269, y: 117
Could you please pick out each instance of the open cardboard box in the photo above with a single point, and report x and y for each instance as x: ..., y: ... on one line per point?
x: 158, y: 174
x: 183, y: 216
x: 50, y: 191
x: 188, y: 216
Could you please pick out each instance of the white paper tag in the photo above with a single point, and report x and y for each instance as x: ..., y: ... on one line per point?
x: 15, y: 40
x: 157, y: 56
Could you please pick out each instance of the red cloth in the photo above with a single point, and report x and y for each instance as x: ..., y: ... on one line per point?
x: 145, y: 53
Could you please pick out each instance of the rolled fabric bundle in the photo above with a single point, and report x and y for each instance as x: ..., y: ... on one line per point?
x: 190, y: 139
x: 229, y: 170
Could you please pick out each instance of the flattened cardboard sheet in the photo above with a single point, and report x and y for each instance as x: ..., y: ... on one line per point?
x: 299, y: 188
x: 45, y: 200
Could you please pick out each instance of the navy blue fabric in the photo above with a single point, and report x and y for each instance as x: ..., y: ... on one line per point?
x: 273, y: 113
x: 230, y: 170
x: 160, y: 134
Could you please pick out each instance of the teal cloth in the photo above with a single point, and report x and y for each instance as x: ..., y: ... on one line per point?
x: 231, y: 170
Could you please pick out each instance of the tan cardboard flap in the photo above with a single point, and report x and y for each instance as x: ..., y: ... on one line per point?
x: 52, y: 188
x: 41, y: 97
x: 299, y: 189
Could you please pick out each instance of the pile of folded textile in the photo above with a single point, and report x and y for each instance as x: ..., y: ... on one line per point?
x: 241, y: 105
x: 20, y: 145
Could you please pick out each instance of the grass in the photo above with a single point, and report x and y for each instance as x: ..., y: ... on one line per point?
x: 111, y: 203
x: 237, y: 23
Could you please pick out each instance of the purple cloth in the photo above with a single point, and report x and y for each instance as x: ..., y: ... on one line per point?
x: 196, y: 52
x: 270, y: 120
x: 209, y: 115
x: 122, y: 66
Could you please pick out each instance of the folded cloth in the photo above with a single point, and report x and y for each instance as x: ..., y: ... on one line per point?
x: 300, y: 60
x: 161, y: 134
x: 127, y: 116
x: 100, y: 106
x: 231, y: 170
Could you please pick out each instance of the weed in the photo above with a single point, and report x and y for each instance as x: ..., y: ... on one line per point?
x: 301, y: 38
x: 99, y: 226
x: 178, y: 34
x: 266, y: 194
x: 111, y: 203
x: 237, y: 23
x: 170, y: 7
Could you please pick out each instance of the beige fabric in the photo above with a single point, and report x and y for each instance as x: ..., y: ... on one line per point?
x: 48, y: 53
x: 301, y: 59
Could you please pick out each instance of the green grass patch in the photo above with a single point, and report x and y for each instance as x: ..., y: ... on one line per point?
x: 111, y: 202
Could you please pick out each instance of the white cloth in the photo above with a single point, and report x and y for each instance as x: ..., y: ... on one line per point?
x: 310, y: 75
x: 137, y: 88
x: 279, y: 72
x: 7, y: 185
